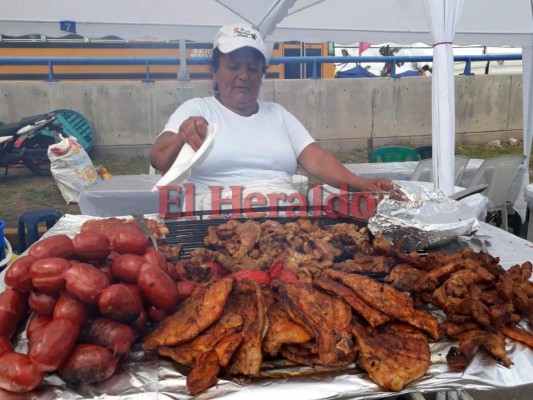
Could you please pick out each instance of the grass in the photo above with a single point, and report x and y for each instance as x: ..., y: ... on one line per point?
x: 22, y: 191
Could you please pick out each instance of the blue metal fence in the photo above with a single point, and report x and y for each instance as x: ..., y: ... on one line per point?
x: 315, y: 62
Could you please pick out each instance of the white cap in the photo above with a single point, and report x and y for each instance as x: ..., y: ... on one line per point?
x: 235, y: 36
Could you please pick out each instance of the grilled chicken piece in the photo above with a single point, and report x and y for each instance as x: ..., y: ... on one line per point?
x: 282, y: 330
x: 328, y: 318
x: 205, y: 372
x: 404, y: 277
x: 381, y: 246
x: 494, y: 342
x: 453, y: 329
x: 393, y: 355
x: 300, y: 354
x: 247, y: 301
x: 204, y: 375
x: 389, y: 301
x: 371, y: 315
x: 366, y: 264
x: 196, y: 313
x: 516, y: 333
x: 189, y: 353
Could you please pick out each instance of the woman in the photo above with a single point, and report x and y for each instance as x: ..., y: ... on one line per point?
x: 258, y: 144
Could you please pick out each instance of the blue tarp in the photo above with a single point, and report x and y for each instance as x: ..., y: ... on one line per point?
x: 360, y: 72
x: 407, y: 73
x: 356, y: 72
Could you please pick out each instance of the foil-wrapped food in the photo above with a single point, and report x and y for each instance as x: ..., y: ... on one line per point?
x: 422, y: 218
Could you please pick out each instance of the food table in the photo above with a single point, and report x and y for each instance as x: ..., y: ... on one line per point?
x: 132, y: 194
x: 143, y: 376
x: 404, y: 171
x: 481, y: 204
x: 528, y: 195
x: 121, y: 195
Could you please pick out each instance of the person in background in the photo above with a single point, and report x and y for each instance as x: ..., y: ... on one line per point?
x: 258, y: 144
x: 425, y: 71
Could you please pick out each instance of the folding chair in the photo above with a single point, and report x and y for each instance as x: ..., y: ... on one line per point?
x: 425, y: 151
x: 498, y: 173
x: 423, y: 170
x: 394, y: 153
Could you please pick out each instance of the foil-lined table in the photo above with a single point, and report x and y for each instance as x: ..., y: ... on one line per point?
x: 528, y: 196
x: 145, y: 376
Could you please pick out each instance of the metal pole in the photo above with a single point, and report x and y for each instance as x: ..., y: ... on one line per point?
x: 183, y: 74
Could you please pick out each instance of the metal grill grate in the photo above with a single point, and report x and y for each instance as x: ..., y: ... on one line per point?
x: 190, y: 233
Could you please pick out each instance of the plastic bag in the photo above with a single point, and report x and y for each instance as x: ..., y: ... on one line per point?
x: 71, y: 168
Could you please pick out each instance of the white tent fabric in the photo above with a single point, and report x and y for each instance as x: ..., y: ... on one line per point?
x: 485, y: 22
x: 442, y: 20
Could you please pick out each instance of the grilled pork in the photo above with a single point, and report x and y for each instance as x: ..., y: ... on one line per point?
x: 328, y: 318
x: 196, y: 313
x: 393, y: 354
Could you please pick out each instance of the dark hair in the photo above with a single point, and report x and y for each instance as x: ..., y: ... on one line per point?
x: 425, y: 67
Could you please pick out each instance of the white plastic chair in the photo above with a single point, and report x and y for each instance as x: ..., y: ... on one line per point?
x: 498, y: 173
x: 424, y: 167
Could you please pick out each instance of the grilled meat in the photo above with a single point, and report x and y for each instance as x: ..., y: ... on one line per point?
x: 190, y: 352
x: 157, y: 228
x: 201, y: 309
x: 371, y: 315
x: 247, y: 301
x: 388, y: 300
x: 404, y: 277
x: 328, y: 318
x: 516, y: 333
x: 282, y: 330
x: 366, y: 264
x: 393, y: 354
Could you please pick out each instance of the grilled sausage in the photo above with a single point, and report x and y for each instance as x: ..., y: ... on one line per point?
x: 52, y: 344
x: 42, y: 303
x: 12, y: 309
x: 157, y: 287
x: 91, y: 245
x: 127, y: 239
x: 86, y: 282
x: 5, y: 345
x: 88, y: 363
x: 53, y: 246
x: 48, y: 274
x: 17, y: 275
x: 35, y: 323
x: 68, y: 307
x: 18, y: 374
x: 120, y: 302
x: 115, y: 336
x: 126, y: 267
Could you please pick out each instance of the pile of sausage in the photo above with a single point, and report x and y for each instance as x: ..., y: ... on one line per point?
x: 81, y: 303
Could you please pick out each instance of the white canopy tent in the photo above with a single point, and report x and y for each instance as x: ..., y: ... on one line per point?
x: 440, y: 23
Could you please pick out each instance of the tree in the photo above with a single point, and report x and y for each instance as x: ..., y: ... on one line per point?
x: 388, y: 51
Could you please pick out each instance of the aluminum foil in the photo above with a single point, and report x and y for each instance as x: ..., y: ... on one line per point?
x: 144, y: 375
x: 423, y: 219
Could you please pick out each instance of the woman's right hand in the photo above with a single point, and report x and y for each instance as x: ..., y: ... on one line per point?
x: 193, y: 131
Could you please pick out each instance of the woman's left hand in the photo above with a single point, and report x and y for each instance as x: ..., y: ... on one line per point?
x: 384, y: 184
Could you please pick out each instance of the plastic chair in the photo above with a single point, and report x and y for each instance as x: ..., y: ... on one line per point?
x: 394, y: 153
x: 28, y: 225
x: 424, y: 168
x: 425, y: 151
x: 498, y: 173
x: 460, y: 166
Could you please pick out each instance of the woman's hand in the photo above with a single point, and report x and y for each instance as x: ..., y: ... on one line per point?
x: 383, y: 184
x: 193, y: 131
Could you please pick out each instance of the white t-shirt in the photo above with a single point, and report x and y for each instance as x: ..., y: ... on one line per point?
x: 262, y: 147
